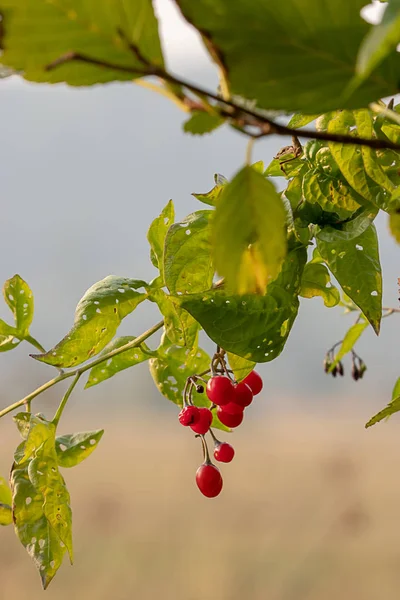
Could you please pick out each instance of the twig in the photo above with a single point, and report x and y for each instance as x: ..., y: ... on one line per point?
x: 248, y: 117
x: 80, y: 370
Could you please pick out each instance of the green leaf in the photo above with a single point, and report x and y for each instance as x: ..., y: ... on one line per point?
x: 350, y: 339
x: 171, y: 369
x: 213, y: 195
x: 156, y: 236
x: 179, y: 325
x: 118, y: 363
x: 5, y: 514
x: 287, y: 165
x: 19, y: 298
x: 5, y: 492
x: 97, y: 318
x: 390, y: 409
x: 23, y: 423
x: 240, y: 366
x: 41, y: 503
x: 299, y: 120
x: 73, y: 448
x: 316, y: 281
x: 188, y: 265
x: 355, y: 264
x: 292, y: 56
x: 201, y: 122
x: 8, y: 342
x: 99, y: 30
x: 32, y: 527
x: 396, y: 390
x: 351, y: 228
x: 251, y: 326
x: 249, y: 233
x: 394, y: 226
x: 358, y: 165
x: 332, y: 195
x: 380, y: 41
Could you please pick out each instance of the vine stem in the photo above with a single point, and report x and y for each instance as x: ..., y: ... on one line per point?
x: 31, y: 340
x: 65, y: 399
x: 230, y: 109
x: 80, y: 370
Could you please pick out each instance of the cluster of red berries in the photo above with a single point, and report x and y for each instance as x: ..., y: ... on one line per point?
x: 230, y: 399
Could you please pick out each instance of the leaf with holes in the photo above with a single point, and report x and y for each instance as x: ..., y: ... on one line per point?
x: 171, y: 369
x: 201, y: 122
x: 350, y: 339
x: 118, y: 363
x: 23, y: 423
x: 5, y: 503
x: 287, y: 165
x: 101, y: 30
x: 32, y: 527
x: 249, y: 236
x: 240, y: 366
x: 293, y: 55
x: 73, y: 448
x: 180, y: 327
x: 156, y: 235
x: 213, y: 195
x: 254, y: 327
x: 188, y: 265
x: 41, y: 511
x: 392, y: 408
x: 19, y: 298
x: 97, y: 318
x: 316, y: 281
x: 355, y: 264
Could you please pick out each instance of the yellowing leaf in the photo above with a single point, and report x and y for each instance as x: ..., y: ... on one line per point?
x: 249, y: 234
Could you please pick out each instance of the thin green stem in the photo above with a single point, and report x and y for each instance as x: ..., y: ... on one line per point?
x: 385, y: 111
x: 249, y: 151
x: 80, y: 370
x: 65, y: 399
x: 35, y: 393
x: 31, y: 340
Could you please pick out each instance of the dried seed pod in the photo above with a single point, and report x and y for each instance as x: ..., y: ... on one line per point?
x: 200, y: 388
x: 340, y: 368
x: 362, y: 369
x: 334, y: 371
x: 355, y: 373
x: 327, y: 364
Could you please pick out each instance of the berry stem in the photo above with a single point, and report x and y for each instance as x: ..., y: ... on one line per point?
x: 206, y: 454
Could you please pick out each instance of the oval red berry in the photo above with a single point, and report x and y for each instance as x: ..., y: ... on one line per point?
x: 254, y: 381
x: 229, y: 419
x: 189, y: 415
x: 220, y: 390
x: 209, y: 480
x: 243, y: 394
x: 224, y: 452
x: 204, y: 422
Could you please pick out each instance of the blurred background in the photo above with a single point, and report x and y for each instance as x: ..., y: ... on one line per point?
x: 310, y: 503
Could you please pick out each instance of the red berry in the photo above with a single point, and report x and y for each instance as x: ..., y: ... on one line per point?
x: 229, y: 419
x: 209, y: 480
x: 189, y: 415
x: 224, y: 452
x: 243, y: 395
x: 233, y: 409
x: 254, y: 381
x: 204, y: 422
x: 220, y: 390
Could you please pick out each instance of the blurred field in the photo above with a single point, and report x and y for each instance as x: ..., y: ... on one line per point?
x: 309, y: 511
